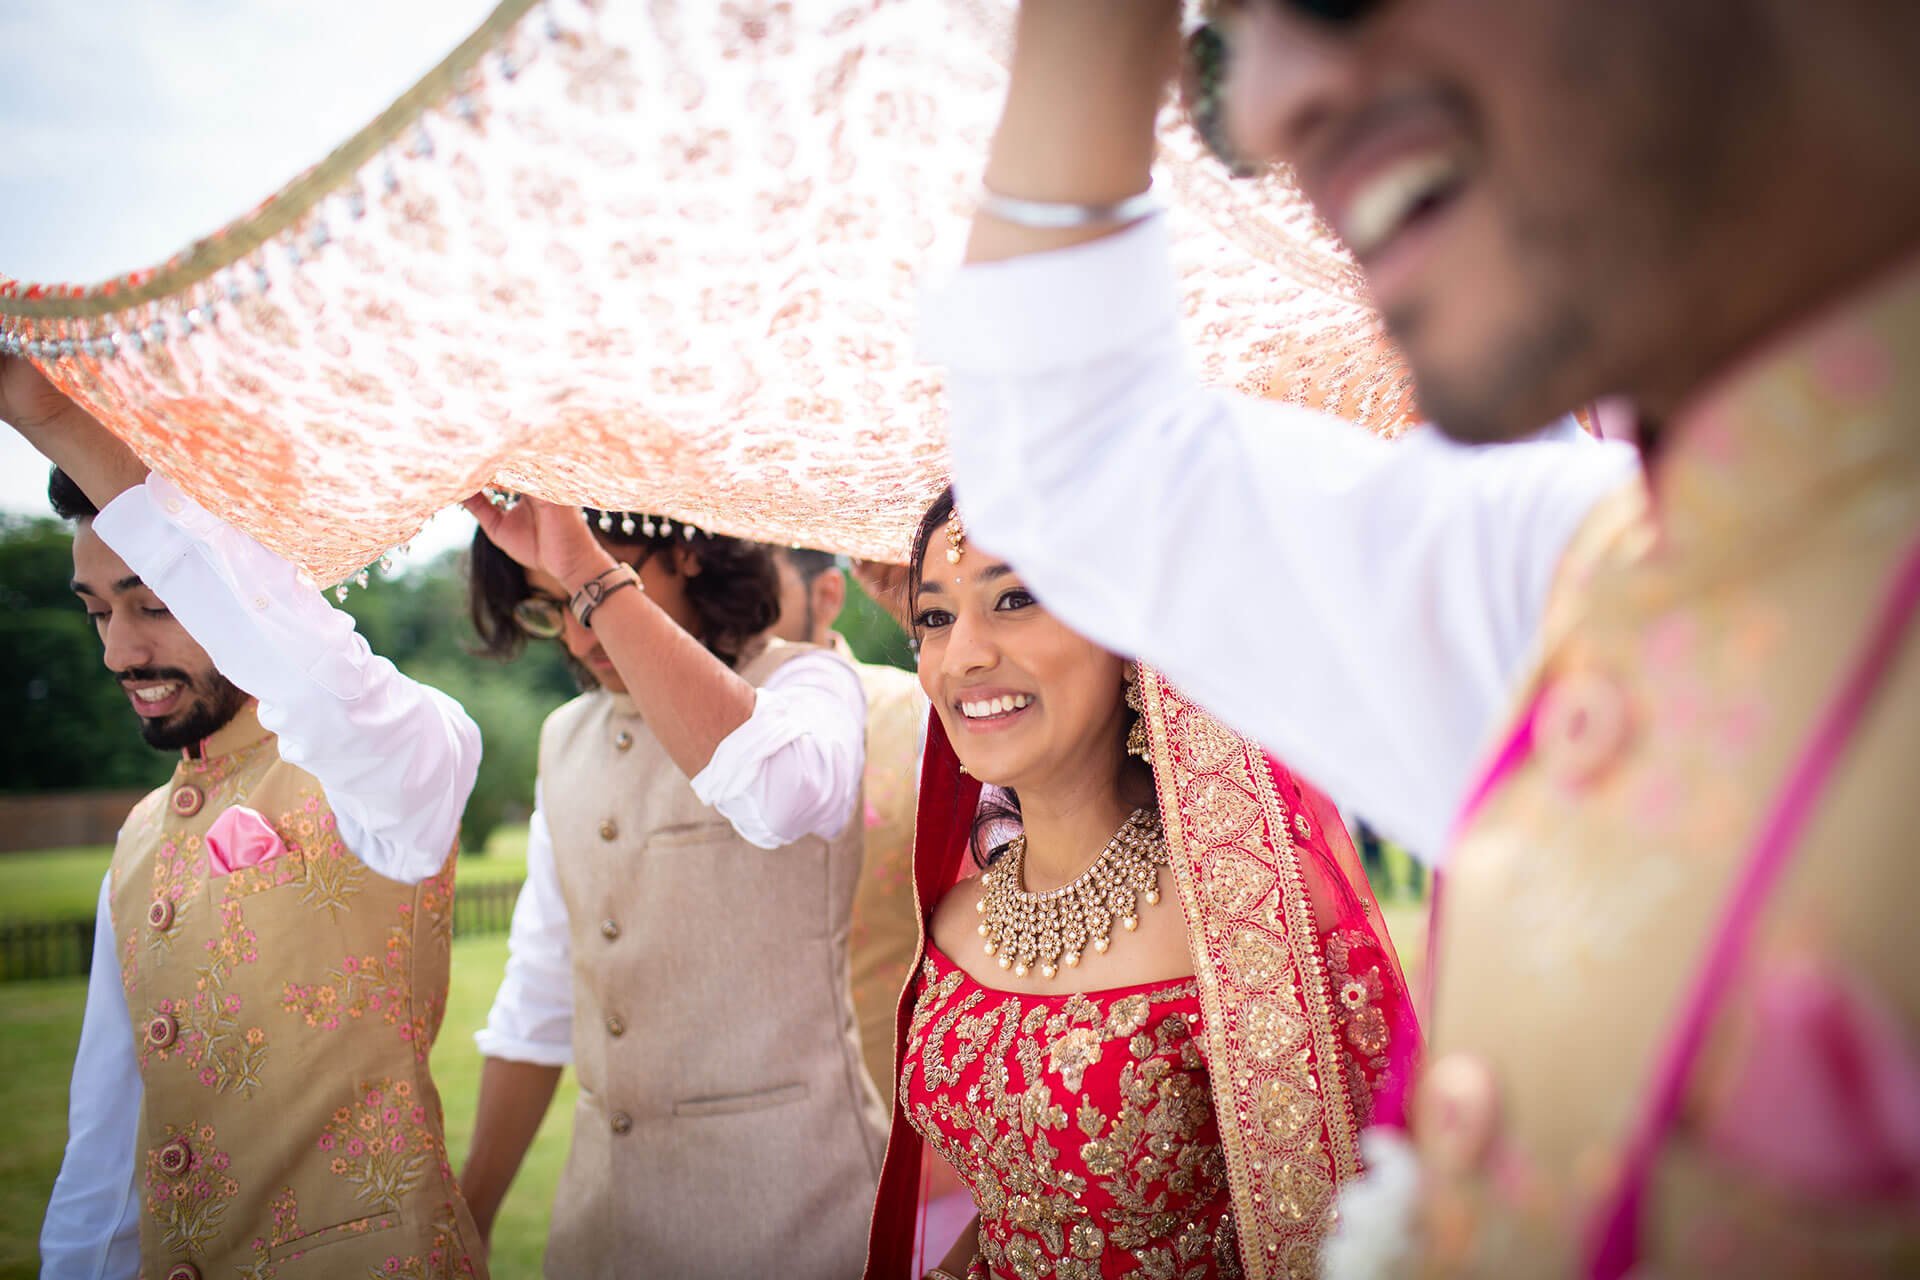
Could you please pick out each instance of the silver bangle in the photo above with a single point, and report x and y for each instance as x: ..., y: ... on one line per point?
x: 1049, y: 215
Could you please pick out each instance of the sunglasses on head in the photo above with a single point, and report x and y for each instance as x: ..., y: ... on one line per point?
x: 1203, y: 81
x: 541, y: 617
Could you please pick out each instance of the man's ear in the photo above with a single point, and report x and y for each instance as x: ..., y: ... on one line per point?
x: 829, y: 595
x: 686, y: 562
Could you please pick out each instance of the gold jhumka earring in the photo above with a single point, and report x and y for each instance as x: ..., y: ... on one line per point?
x: 1137, y: 744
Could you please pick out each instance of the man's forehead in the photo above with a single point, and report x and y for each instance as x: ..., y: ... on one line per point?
x: 97, y: 567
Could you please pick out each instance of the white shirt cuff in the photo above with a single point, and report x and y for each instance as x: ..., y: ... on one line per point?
x: 794, y: 768
x: 1055, y: 310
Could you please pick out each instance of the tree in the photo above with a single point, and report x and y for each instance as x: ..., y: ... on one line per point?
x: 71, y: 726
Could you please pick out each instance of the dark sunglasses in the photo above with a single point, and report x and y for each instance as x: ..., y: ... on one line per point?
x: 1203, y: 81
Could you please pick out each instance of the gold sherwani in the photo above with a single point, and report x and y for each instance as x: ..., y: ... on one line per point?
x: 1695, y: 637
x: 282, y: 1014
x: 726, y: 1127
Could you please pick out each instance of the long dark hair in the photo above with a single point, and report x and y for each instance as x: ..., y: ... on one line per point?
x: 735, y: 596
x: 998, y: 818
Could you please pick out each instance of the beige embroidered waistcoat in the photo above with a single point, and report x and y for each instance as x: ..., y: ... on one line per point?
x: 282, y: 1014
x: 726, y: 1126
x: 1691, y: 647
x: 885, y: 930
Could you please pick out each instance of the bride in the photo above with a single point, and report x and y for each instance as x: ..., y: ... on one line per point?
x: 1155, y: 1003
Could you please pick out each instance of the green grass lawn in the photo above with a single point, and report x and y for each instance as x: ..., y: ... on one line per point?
x: 36, y: 1055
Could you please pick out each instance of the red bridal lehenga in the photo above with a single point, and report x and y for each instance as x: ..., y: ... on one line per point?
x: 1194, y: 1128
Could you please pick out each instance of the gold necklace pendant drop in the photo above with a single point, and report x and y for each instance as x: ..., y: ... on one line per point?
x: 1028, y: 931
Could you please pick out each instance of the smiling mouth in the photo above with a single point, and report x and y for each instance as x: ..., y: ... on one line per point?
x: 153, y: 699
x: 1399, y: 196
x: 996, y: 708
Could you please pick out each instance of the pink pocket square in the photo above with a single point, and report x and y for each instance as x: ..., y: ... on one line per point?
x: 240, y: 838
x: 1829, y: 1098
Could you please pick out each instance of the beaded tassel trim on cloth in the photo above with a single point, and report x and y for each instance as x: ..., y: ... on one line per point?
x: 569, y: 263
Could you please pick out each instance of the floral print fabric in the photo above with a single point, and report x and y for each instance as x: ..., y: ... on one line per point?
x: 658, y: 257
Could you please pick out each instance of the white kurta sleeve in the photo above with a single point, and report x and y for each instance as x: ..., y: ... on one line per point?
x: 793, y: 769
x: 532, y: 1015
x: 1360, y: 607
x: 397, y: 759
x: 92, y: 1227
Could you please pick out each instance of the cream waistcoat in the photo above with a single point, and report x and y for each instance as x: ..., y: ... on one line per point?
x: 885, y: 929
x: 726, y: 1127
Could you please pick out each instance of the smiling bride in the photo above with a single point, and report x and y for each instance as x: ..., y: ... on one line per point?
x: 1154, y: 1005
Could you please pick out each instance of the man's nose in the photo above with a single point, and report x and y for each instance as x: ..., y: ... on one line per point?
x: 125, y: 644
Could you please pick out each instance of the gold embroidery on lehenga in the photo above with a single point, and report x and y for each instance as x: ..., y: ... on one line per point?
x: 1020, y: 1130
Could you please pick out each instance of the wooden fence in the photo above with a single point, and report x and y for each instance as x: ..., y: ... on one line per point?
x: 36, y: 950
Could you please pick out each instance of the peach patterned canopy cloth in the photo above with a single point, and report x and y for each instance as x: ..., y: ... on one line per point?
x: 655, y: 257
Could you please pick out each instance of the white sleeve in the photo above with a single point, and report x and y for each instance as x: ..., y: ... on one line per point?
x: 1360, y: 607
x: 793, y: 769
x: 396, y: 758
x: 532, y: 1015
x: 92, y: 1227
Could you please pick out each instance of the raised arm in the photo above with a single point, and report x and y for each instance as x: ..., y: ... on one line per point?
x: 1087, y: 80
x: 1360, y: 607
x: 779, y: 762
x: 397, y: 759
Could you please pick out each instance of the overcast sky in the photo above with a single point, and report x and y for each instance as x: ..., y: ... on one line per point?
x: 134, y: 127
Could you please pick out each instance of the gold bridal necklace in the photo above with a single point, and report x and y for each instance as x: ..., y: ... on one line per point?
x: 1027, y: 931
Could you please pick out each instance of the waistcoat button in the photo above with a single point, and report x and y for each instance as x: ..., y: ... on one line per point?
x: 187, y: 799
x: 622, y: 741
x: 616, y: 1025
x: 175, y: 1157
x: 609, y: 929
x: 608, y: 830
x: 160, y: 914
x: 621, y: 1122
x: 1582, y: 726
x: 183, y: 1271
x: 161, y: 1029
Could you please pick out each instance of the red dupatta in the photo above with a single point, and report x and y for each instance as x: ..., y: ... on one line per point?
x: 1309, y: 1030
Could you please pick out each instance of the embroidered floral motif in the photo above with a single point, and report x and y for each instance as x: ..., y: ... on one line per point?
x: 333, y: 875
x: 375, y: 986
x: 1084, y: 1127
x: 383, y: 1145
x: 444, y: 1259
x: 1353, y: 967
x: 188, y: 1188
x: 210, y: 1035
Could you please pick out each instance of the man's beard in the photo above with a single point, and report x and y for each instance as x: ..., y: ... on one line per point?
x: 216, y: 700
